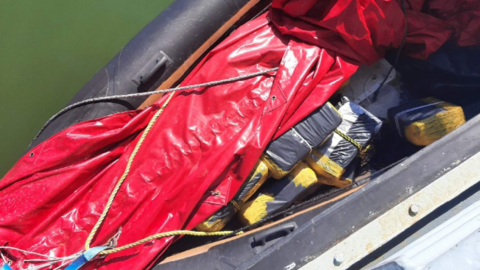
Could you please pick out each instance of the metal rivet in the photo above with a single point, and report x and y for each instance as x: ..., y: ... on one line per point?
x: 413, y: 210
x: 274, y: 97
x: 338, y: 259
x: 31, y: 154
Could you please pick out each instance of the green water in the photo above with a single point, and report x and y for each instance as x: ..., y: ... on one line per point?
x: 49, y: 50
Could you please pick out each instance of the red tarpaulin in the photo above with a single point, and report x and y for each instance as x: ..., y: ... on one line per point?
x: 206, y: 141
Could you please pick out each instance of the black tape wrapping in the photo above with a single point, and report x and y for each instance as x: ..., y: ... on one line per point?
x: 289, y: 149
x: 359, y: 125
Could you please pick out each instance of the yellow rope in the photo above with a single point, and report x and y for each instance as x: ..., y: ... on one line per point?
x: 348, y: 138
x: 362, y: 151
x: 125, y: 174
x: 235, y: 204
x: 117, y: 188
x: 161, y: 235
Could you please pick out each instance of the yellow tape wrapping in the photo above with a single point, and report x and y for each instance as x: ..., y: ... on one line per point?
x: 286, y: 191
x: 323, y: 165
x: 342, y: 182
x: 328, y: 171
x: 275, y: 171
x: 213, y: 224
x: 429, y: 130
x: 255, y: 210
x: 303, y: 176
x: 217, y: 221
x: 260, y: 169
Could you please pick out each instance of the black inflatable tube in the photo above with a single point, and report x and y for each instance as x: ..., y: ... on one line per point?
x: 150, y: 58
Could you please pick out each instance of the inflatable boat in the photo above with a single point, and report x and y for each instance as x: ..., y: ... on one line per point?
x: 167, y: 133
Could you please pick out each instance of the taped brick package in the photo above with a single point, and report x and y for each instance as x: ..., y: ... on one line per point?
x: 278, y: 195
x: 424, y: 121
x: 331, y: 159
x: 348, y: 176
x: 288, y: 150
x: 218, y: 220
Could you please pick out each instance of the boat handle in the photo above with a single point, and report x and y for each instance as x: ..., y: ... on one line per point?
x: 160, y: 61
x: 262, y: 240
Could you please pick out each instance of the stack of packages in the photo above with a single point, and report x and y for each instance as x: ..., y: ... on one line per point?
x: 278, y: 195
x: 424, y: 121
x: 331, y: 159
x: 283, y: 154
x: 333, y: 162
x: 280, y: 157
x: 328, y: 141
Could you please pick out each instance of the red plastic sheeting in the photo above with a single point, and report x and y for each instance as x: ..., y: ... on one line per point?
x: 460, y: 16
x: 205, y: 142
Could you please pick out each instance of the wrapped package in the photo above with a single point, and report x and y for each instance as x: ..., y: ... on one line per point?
x: 278, y: 195
x: 424, y: 121
x: 218, y: 220
x: 348, y: 176
x: 331, y: 159
x: 288, y: 150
